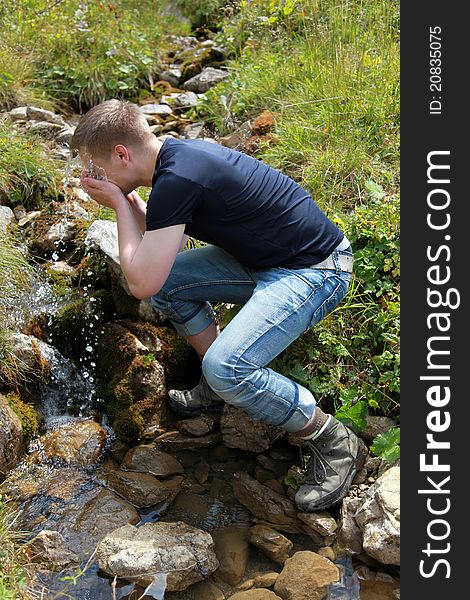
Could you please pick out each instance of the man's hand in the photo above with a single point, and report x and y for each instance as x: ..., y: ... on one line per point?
x: 104, y: 192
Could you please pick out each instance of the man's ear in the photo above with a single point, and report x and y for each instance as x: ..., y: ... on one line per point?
x: 122, y: 153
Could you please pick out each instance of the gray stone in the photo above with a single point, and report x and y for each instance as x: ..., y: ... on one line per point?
x: 376, y: 425
x: 204, y: 80
x: 156, y: 109
x: 172, y: 76
x: 185, y: 553
x: 7, y: 217
x: 187, y: 100
x: 193, y: 131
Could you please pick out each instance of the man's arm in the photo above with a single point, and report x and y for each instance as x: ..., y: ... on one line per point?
x: 139, y: 209
x: 146, y: 260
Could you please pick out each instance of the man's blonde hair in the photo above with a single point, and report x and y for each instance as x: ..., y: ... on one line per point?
x: 107, y: 124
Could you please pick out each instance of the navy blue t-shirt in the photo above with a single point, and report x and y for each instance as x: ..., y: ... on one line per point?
x: 234, y: 201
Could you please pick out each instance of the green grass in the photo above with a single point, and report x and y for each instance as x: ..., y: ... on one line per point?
x: 329, y: 71
x: 13, y: 574
x: 75, y: 54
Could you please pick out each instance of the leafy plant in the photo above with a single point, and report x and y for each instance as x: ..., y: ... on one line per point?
x: 387, y: 445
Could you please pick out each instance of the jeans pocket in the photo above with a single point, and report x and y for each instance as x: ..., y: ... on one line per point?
x: 340, y: 285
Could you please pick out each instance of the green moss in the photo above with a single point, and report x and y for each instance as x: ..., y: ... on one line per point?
x: 26, y: 414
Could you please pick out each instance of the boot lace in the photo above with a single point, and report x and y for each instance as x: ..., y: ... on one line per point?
x: 317, y: 464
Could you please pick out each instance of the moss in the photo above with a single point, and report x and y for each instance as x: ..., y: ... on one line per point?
x: 73, y: 326
x: 26, y: 414
x: 180, y: 362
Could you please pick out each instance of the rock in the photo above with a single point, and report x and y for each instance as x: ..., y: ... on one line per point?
x: 28, y: 218
x: 270, y: 542
x: 265, y: 580
x: 76, y: 443
x: 99, y: 516
x: 198, y: 426
x: 36, y: 114
x: 238, y: 138
x: 47, y: 130
x: 137, y: 553
x: 149, y: 459
x: 264, y: 123
x: 156, y: 109
x: 7, y: 217
x: 258, y: 594
x: 63, y: 231
x: 49, y: 549
x: 201, y: 472
x: 187, y: 100
x: 239, y: 431
x: 204, y: 80
x: 321, y: 522
x: 306, y: 576
x: 175, y: 441
x: 376, y: 425
x: 268, y: 506
x: 349, y: 534
x: 172, y: 76
x: 327, y: 552
x: 231, y: 549
x: 11, y: 437
x: 205, y: 590
x: 143, y: 489
x: 193, y: 131
x: 377, y: 585
x: 379, y: 518
x: 61, y: 267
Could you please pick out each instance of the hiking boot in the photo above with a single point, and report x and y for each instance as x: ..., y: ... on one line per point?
x: 335, y: 456
x: 191, y: 403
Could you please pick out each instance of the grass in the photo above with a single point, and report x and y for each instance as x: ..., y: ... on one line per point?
x: 72, y: 54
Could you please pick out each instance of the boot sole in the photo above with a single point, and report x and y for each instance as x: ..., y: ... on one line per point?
x: 335, y: 497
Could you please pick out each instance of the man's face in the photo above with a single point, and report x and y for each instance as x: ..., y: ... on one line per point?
x: 111, y: 169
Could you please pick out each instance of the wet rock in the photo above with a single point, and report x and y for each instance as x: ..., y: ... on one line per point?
x: 49, y: 549
x: 306, y: 576
x: 136, y: 554
x: 60, y: 267
x: 11, y: 437
x: 375, y: 426
x: 377, y: 585
x: 201, y: 472
x: 258, y: 594
x: 259, y: 580
x: 146, y: 458
x: 76, y: 443
x: 379, y: 518
x: 231, y: 549
x: 100, y: 515
x: 265, y: 504
x: 279, y: 468
x: 198, y: 426
x: 175, y: 441
x: 135, y: 389
x: 321, y: 522
x: 143, y: 489
x: 205, y: 590
x: 271, y: 543
x: 239, y: 431
x: 204, y: 80
x: 7, y: 217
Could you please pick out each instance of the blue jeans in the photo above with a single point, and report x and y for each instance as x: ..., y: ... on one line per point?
x: 279, y: 304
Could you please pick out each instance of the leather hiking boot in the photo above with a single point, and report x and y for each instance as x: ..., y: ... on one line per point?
x: 191, y: 403
x: 335, y: 456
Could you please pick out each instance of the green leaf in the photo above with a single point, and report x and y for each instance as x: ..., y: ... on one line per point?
x: 387, y: 445
x: 375, y: 190
x: 354, y: 416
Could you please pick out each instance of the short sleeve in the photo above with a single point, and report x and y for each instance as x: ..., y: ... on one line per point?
x: 172, y: 201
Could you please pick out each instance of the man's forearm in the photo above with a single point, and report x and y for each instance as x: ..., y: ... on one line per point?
x: 129, y: 237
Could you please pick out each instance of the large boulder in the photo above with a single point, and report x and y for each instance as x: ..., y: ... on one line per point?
x: 371, y: 523
x: 185, y: 553
x: 76, y: 443
x: 306, y: 576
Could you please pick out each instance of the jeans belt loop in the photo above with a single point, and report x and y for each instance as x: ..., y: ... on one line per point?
x: 340, y: 261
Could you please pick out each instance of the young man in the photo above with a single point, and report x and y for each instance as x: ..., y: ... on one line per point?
x: 270, y: 249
